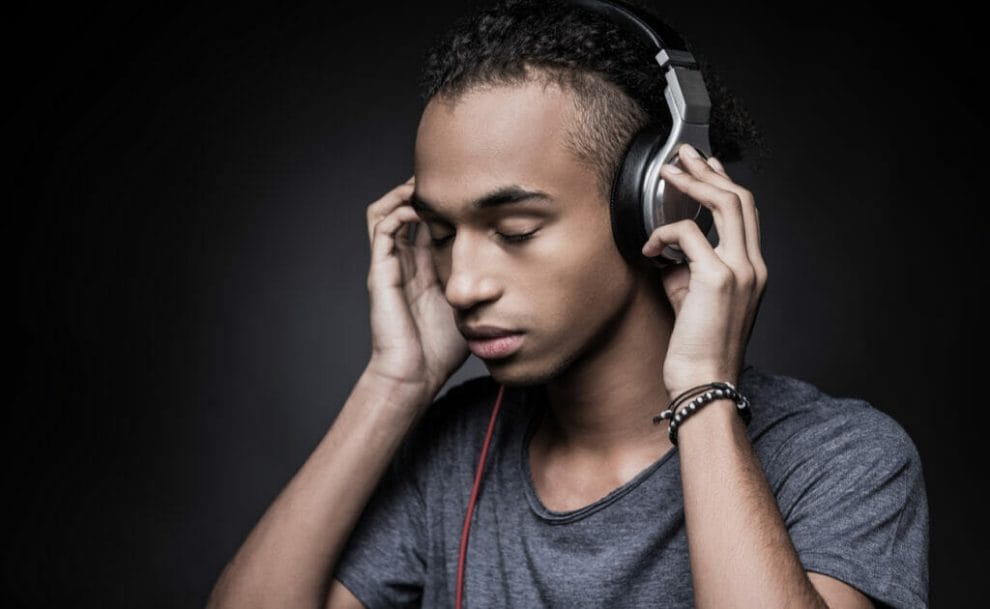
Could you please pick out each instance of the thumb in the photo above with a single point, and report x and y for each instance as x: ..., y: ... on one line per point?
x: 675, y: 284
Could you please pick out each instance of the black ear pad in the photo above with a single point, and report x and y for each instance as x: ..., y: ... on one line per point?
x: 626, y: 202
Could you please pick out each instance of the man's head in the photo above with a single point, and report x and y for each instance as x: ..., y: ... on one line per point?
x: 537, y: 96
x: 617, y: 83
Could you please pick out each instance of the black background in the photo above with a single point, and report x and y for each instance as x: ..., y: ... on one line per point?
x: 189, y: 256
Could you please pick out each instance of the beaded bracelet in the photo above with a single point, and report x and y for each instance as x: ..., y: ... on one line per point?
x: 709, y: 392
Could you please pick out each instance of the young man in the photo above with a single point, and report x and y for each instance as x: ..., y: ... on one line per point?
x: 816, y: 501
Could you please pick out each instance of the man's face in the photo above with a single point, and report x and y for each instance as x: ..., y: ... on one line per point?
x: 563, y: 285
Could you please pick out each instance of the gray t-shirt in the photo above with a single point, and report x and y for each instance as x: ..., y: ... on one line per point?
x: 847, y: 478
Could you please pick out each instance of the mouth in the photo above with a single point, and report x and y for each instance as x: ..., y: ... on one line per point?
x: 496, y: 347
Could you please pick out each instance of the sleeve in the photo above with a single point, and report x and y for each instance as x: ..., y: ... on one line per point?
x: 852, y: 493
x: 383, y: 562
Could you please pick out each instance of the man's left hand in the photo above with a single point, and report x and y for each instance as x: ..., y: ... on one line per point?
x: 716, y: 295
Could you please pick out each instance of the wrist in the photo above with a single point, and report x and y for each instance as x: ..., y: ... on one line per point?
x: 715, y: 397
x: 700, y: 381
x: 714, y: 419
x: 395, y: 389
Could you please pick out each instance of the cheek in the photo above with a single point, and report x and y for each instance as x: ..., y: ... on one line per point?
x: 583, y: 272
x: 594, y: 257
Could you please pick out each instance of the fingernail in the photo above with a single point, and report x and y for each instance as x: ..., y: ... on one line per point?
x: 689, y: 151
x: 673, y: 168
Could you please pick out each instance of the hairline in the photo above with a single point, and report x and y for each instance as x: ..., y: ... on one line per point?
x: 594, y: 100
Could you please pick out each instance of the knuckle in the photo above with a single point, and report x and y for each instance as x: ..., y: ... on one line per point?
x: 382, y: 226
x: 729, y: 198
x: 761, y: 275
x: 746, y: 278
x: 760, y: 268
x: 372, y: 214
x: 723, y: 278
x: 687, y: 224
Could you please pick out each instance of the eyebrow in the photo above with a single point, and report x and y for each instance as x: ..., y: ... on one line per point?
x: 506, y: 195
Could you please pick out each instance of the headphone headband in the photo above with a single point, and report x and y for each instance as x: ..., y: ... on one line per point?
x: 690, y: 101
x: 650, y: 31
x: 640, y: 199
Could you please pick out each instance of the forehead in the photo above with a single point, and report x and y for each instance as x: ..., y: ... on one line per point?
x: 493, y: 136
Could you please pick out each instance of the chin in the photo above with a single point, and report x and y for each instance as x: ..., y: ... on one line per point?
x: 509, y: 373
x: 515, y: 371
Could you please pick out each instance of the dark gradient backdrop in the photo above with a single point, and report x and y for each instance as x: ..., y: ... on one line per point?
x: 189, y: 256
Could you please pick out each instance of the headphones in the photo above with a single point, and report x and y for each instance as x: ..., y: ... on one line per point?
x: 640, y: 200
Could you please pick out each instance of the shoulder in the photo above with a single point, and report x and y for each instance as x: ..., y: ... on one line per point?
x: 849, y: 484
x: 794, y: 419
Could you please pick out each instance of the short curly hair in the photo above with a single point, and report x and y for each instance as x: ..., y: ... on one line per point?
x: 617, y: 83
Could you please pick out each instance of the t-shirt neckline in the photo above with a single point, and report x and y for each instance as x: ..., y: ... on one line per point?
x: 534, y: 404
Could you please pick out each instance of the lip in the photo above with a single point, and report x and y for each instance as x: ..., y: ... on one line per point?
x: 485, y: 331
x: 496, y: 347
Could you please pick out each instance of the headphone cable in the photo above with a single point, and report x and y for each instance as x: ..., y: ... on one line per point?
x: 474, y: 496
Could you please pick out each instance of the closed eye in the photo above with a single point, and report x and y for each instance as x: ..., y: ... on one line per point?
x: 517, y: 237
x: 511, y: 239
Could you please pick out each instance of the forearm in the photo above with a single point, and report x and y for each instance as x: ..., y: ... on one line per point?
x: 288, y: 558
x: 741, y: 553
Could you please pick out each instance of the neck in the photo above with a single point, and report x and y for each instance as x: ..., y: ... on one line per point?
x: 603, y: 405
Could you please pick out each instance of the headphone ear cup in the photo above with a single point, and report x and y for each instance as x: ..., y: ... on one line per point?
x: 626, y: 203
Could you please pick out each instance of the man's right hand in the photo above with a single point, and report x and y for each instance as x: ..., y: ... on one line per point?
x: 414, y: 337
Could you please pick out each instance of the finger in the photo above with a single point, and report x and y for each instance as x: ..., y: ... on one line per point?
x: 384, y: 236
x: 418, y: 264
x: 757, y: 272
x: 702, y: 183
x: 404, y: 249
x: 729, y: 207
x: 754, y: 246
x: 717, y: 165
x: 386, y: 204
x: 702, y: 259
x: 424, y: 254
x: 416, y: 255
x: 751, y: 217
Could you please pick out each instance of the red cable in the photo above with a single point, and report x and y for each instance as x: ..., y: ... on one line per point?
x: 474, y: 496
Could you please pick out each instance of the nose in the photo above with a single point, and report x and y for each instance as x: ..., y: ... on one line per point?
x: 472, y: 278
